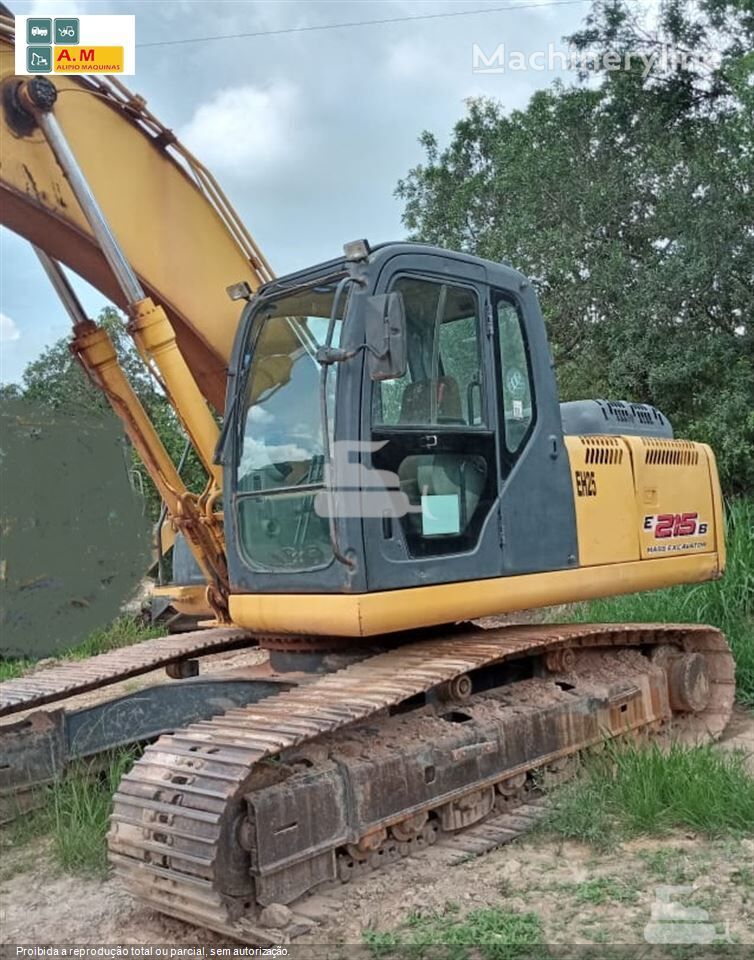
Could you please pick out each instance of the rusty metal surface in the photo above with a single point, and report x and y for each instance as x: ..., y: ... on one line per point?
x: 39, y: 748
x: 78, y: 676
x: 494, y: 832
x: 179, y: 814
x: 32, y: 752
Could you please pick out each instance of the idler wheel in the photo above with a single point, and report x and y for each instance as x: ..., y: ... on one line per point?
x: 688, y: 683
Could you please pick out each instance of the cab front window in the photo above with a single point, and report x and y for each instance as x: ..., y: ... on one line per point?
x: 281, y: 457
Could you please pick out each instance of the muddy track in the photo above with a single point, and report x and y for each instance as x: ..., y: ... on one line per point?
x: 202, y: 825
x: 79, y: 676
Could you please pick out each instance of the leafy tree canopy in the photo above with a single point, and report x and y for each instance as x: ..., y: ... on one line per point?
x: 629, y: 201
x: 56, y: 378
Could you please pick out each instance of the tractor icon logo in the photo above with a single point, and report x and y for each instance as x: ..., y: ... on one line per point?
x: 67, y: 30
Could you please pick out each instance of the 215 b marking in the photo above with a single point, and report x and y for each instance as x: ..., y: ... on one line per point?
x: 675, y: 525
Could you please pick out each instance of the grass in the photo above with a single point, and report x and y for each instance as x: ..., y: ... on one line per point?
x: 744, y: 877
x: 628, y: 791
x: 75, y: 814
x: 14, y: 668
x: 120, y: 633
x: 600, y: 890
x: 75, y: 810
x: 81, y: 805
x: 670, y: 864
x: 490, y: 933
x: 727, y: 603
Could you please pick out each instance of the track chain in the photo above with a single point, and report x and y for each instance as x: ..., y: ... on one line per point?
x: 78, y: 676
x: 173, y: 838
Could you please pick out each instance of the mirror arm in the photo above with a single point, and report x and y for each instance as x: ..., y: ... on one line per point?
x: 328, y: 355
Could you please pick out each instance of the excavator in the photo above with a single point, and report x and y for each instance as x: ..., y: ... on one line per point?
x: 393, y: 466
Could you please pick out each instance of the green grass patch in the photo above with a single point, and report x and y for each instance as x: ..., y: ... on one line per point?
x: 29, y: 825
x: 120, y: 633
x: 744, y: 877
x: 727, y: 603
x: 491, y: 933
x: 14, y: 668
x: 80, y: 808
x: 75, y: 814
x: 670, y: 864
x: 600, y: 890
x: 628, y: 791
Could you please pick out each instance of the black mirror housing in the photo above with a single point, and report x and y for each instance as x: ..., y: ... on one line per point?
x: 385, y: 328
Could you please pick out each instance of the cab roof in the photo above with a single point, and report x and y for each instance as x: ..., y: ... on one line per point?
x: 501, y: 273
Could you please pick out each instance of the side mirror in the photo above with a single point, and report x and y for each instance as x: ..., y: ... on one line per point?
x: 385, y: 328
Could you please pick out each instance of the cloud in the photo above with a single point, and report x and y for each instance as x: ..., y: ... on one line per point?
x: 245, y: 130
x: 258, y: 414
x: 257, y: 455
x: 56, y: 8
x: 411, y: 60
x: 8, y: 329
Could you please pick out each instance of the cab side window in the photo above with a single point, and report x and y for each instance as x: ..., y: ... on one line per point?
x: 432, y: 421
x: 443, y: 383
x: 515, y: 368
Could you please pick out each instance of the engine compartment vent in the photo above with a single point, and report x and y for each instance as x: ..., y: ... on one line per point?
x: 602, y: 450
x: 599, y: 417
x: 670, y: 453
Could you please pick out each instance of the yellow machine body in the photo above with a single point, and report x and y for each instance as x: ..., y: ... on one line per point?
x: 648, y: 510
x: 649, y: 515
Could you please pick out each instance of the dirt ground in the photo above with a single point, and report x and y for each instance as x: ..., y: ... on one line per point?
x: 581, y: 896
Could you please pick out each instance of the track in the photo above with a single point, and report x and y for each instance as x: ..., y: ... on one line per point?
x: 255, y: 807
x: 69, y: 679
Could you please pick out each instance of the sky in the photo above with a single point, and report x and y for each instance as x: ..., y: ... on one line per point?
x: 308, y: 132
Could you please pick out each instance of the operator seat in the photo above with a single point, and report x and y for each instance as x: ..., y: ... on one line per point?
x: 439, y: 474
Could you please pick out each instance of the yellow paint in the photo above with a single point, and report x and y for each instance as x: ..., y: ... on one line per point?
x: 630, y: 491
x: 169, y: 231
x: 155, y: 339
x: 717, y: 506
x: 85, y: 59
x: 603, y: 493
x: 370, y: 614
x: 92, y: 345
x: 188, y: 600
x: 672, y: 479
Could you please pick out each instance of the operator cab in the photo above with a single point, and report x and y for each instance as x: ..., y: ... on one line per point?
x: 393, y: 421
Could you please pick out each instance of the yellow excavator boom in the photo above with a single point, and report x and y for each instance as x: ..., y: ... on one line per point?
x: 179, y: 239
x: 172, y: 221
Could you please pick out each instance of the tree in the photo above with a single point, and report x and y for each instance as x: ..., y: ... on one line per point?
x: 56, y: 378
x: 629, y: 203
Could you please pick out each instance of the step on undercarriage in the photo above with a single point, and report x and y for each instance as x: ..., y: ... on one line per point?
x: 319, y: 784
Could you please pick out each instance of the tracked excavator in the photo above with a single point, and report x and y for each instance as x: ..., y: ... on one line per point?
x: 393, y: 465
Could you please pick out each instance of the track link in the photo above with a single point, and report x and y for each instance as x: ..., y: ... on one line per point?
x: 69, y: 679
x: 179, y: 835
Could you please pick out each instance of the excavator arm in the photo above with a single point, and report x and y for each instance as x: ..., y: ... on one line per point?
x: 172, y: 221
x: 94, y: 181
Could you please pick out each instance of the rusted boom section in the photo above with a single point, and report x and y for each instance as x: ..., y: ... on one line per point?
x: 69, y: 679
x: 385, y: 756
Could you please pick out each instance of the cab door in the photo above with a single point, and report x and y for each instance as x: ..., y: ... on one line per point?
x: 434, y: 431
x: 470, y: 435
